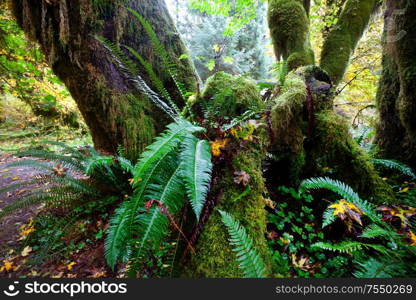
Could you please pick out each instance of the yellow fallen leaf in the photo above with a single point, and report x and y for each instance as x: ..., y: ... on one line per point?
x: 8, y: 266
x: 404, y: 190
x: 412, y: 237
x: 26, y: 251
x: 5, y: 170
x: 15, y: 178
x: 71, y: 265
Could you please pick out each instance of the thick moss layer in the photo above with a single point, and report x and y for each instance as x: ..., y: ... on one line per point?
x: 334, y: 148
x: 214, y: 256
x: 228, y: 96
x: 289, y: 28
x: 342, y: 40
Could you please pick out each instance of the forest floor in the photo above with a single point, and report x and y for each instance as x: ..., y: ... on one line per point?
x: 10, y: 225
x: 82, y: 256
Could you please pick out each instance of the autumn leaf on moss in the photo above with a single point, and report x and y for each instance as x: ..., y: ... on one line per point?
x: 344, y: 209
x: 217, y: 146
x: 402, y: 212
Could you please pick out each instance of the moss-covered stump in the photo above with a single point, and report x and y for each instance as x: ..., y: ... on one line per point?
x: 310, y: 138
x: 238, y: 183
x: 289, y: 28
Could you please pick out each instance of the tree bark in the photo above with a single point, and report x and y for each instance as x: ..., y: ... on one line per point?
x: 115, y: 112
x: 396, y: 98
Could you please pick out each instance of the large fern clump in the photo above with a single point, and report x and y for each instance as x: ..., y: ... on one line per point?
x: 174, y: 169
x: 67, y: 177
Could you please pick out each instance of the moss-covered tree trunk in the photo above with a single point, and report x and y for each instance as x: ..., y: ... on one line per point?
x: 342, y: 40
x: 238, y: 184
x: 396, y: 98
x: 65, y: 30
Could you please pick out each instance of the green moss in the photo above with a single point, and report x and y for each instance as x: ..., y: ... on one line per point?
x: 342, y: 40
x: 286, y: 116
x: 289, y: 28
x: 336, y: 149
x: 214, y: 256
x: 228, y: 96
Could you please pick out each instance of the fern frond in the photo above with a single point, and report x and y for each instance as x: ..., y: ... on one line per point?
x: 375, y: 231
x: 350, y: 247
x: 373, y: 268
x: 126, y: 66
x: 163, y: 144
x: 40, y: 166
x: 328, y: 217
x: 125, y: 164
x: 67, y: 149
x: 250, y: 260
x: 157, y: 83
x: 341, y: 189
x: 24, y: 202
x: 152, y: 226
x: 196, y: 171
x: 161, y: 51
x: 118, y: 234
x: 65, y: 161
x: 395, y: 165
x: 343, y: 247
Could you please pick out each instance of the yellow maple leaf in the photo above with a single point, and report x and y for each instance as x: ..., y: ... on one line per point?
x: 216, y: 48
x: 217, y: 145
x: 5, y: 170
x: 344, y: 209
x: 8, y: 266
x: 15, y: 178
x: 71, y: 265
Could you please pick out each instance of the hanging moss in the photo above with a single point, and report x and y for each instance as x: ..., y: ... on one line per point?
x: 289, y: 28
x: 342, y: 40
